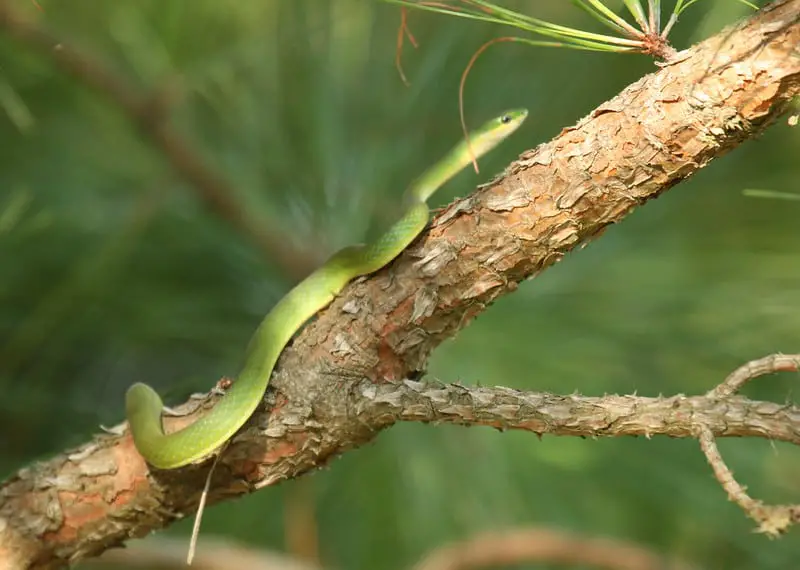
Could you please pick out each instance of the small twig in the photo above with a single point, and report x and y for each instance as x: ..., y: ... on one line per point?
x: 461, y: 85
x: 753, y: 369
x: 222, y: 384
x: 402, y: 33
x: 198, y: 518
x: 772, y: 520
x: 736, y: 492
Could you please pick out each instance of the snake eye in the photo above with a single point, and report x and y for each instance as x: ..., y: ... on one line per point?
x: 505, y: 119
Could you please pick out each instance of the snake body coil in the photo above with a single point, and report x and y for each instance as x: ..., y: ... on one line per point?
x: 143, y: 406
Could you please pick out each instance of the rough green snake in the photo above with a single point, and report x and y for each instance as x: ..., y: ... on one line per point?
x: 195, y: 442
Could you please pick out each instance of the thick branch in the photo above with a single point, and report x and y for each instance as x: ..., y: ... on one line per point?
x: 657, y: 132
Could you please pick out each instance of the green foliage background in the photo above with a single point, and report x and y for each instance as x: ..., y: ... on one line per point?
x: 111, y: 271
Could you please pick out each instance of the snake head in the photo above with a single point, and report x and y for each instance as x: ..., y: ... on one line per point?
x: 508, y: 122
x: 492, y: 132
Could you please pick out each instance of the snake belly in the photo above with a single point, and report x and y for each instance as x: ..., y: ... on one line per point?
x: 143, y: 405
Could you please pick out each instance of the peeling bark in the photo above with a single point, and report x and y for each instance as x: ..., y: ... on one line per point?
x: 323, y: 398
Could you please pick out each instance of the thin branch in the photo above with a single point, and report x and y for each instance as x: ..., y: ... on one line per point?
x: 198, y: 518
x: 772, y: 520
x: 148, y: 113
x: 576, y: 415
x: 754, y: 369
x: 214, y: 554
x: 403, y: 32
x: 545, y: 546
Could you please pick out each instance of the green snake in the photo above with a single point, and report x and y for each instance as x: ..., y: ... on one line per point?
x: 143, y: 406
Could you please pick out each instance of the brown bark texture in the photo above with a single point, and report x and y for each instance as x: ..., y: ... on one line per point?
x: 344, y: 377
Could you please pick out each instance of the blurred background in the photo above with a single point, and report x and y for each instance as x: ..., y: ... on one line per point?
x: 112, y: 270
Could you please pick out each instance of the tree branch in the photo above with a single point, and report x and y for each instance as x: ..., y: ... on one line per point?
x: 576, y: 415
x: 520, y: 546
x: 150, y: 114
x: 772, y: 519
x: 335, y: 386
x: 215, y: 554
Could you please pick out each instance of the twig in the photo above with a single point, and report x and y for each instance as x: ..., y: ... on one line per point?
x: 198, y: 518
x: 753, y: 369
x: 402, y: 32
x: 149, y: 114
x: 772, y: 520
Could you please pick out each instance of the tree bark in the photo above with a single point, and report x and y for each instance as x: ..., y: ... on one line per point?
x: 342, y: 380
